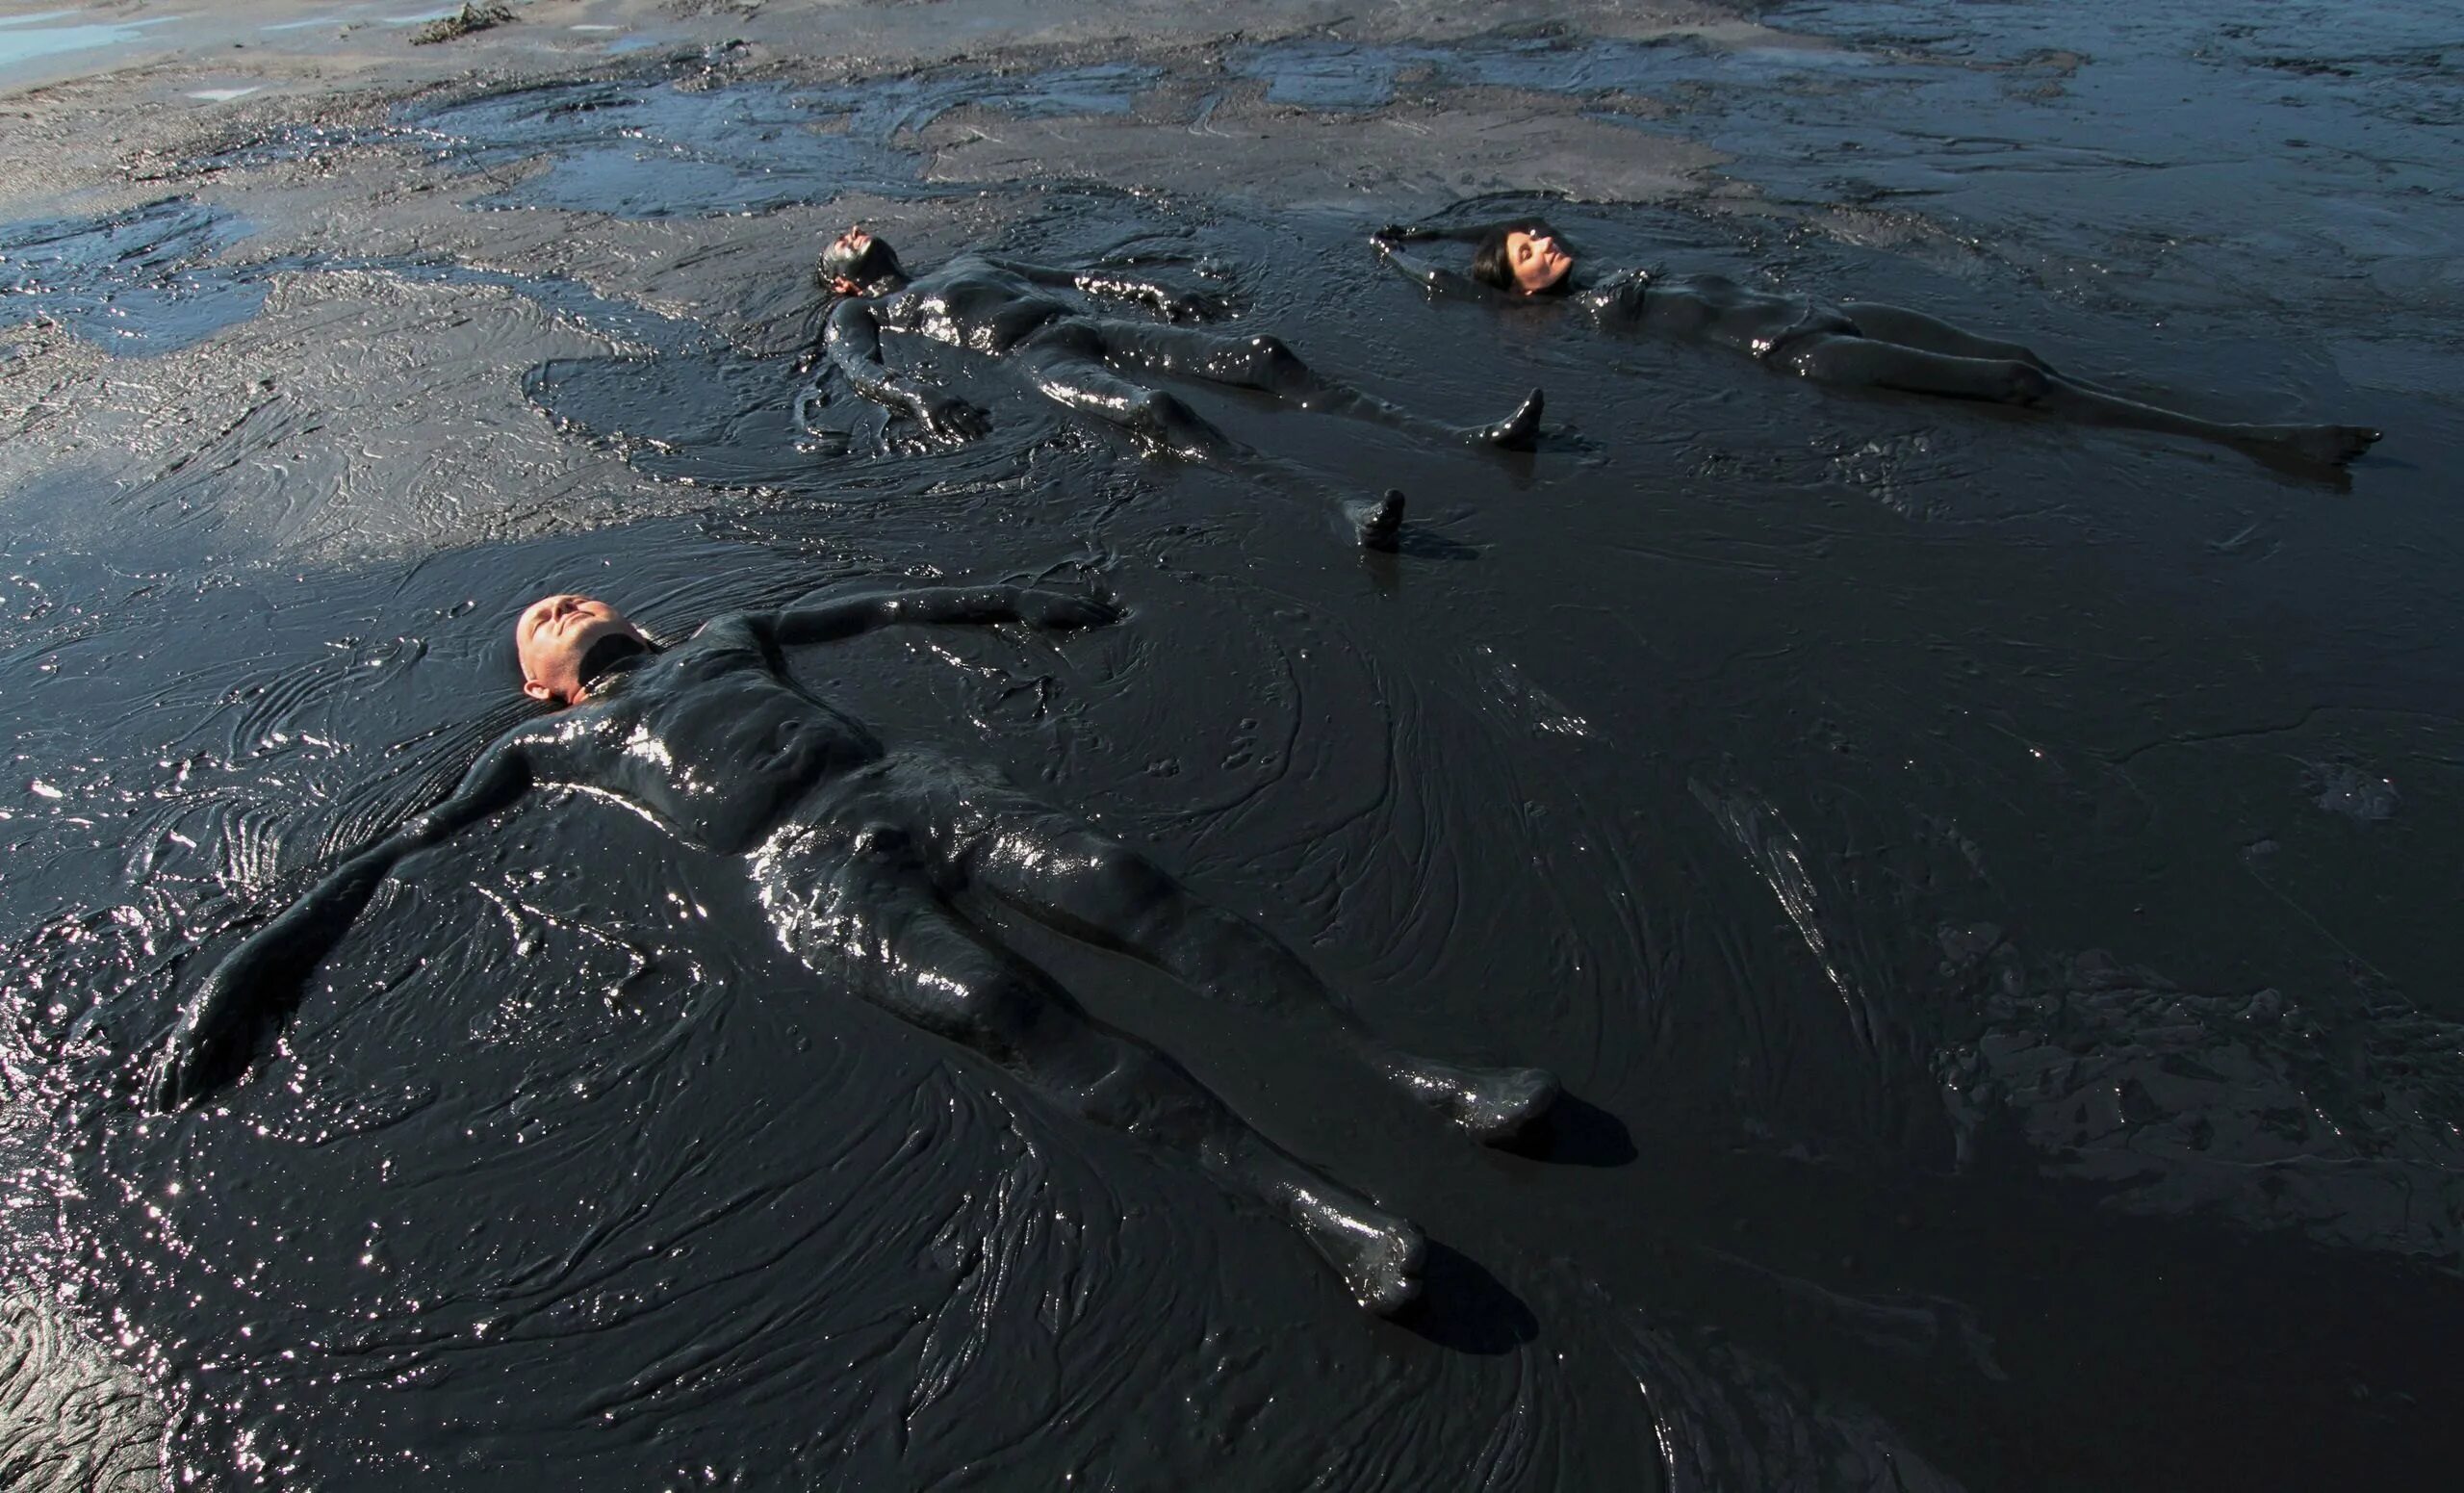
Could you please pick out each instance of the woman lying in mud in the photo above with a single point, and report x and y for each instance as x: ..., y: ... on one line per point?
x: 858, y: 855
x: 1856, y: 343
x: 1079, y: 360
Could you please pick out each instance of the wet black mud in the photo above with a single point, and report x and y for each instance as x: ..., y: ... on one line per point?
x: 137, y: 283
x: 1988, y: 885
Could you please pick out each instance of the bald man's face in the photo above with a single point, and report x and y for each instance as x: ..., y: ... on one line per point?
x: 553, y: 635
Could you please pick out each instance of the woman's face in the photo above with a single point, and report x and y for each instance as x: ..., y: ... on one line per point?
x: 1536, y: 259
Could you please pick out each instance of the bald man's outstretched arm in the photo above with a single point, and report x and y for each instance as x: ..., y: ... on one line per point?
x: 220, y: 1026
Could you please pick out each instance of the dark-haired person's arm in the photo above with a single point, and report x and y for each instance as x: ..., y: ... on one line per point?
x: 1451, y: 233
x: 1171, y: 304
x: 826, y: 619
x: 854, y: 341
x: 1431, y: 277
x: 223, y: 1022
x: 1618, y: 300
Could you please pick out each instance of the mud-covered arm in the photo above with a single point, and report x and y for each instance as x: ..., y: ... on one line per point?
x: 220, y: 1025
x: 821, y: 621
x: 1175, y: 305
x: 853, y: 343
x: 1431, y: 277
x: 1618, y: 300
x: 1451, y: 233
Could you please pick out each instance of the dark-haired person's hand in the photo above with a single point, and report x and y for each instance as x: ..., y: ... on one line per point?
x: 211, y: 1041
x: 1195, y: 306
x: 945, y: 417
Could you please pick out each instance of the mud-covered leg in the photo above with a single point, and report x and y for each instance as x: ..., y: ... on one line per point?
x: 877, y: 921
x: 1932, y: 334
x: 1070, y: 372
x: 1077, y: 379
x: 1266, y: 364
x: 1861, y: 361
x: 1882, y: 322
x: 1092, y: 887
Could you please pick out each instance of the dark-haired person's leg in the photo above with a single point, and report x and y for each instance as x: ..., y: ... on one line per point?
x: 1932, y: 334
x: 1066, y: 364
x: 1866, y: 363
x: 1264, y: 362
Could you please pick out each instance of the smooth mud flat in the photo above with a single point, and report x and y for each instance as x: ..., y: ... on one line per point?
x: 1990, y: 886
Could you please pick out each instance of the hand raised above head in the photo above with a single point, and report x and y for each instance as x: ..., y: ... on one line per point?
x: 210, y: 1044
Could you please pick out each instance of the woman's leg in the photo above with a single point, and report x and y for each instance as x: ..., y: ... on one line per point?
x: 1264, y: 363
x: 1065, y: 364
x: 1069, y: 371
x: 1932, y: 334
x: 1864, y: 362
x: 870, y: 913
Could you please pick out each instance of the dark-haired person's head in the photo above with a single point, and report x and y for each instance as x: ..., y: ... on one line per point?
x: 1524, y: 257
x: 858, y: 263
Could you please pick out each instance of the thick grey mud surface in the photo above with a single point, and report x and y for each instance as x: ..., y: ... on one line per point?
x: 1989, y: 886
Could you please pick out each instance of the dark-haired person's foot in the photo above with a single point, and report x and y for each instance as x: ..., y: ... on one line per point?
x: 1518, y: 431
x: 1376, y: 522
x: 2330, y: 445
x: 1492, y: 1105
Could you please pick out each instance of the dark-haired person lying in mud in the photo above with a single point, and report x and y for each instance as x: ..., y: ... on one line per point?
x: 860, y: 855
x: 1081, y: 360
x: 1858, y: 344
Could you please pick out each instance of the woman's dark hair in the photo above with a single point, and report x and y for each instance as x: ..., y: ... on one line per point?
x: 1489, y: 264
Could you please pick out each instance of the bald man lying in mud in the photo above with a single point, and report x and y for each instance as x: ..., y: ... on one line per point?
x: 1084, y: 362
x: 1854, y: 344
x: 860, y: 855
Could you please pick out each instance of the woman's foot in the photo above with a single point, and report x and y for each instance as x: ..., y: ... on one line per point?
x: 2328, y: 444
x: 1492, y: 1105
x: 1376, y: 522
x: 1518, y: 431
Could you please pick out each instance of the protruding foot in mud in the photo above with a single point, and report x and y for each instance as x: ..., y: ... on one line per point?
x: 1376, y: 522
x: 1377, y: 1255
x: 1518, y: 431
x: 2334, y: 445
x: 1493, y: 1105
x: 2330, y: 445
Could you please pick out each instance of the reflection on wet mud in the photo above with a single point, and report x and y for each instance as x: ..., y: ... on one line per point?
x: 1771, y: 762
x: 2175, y: 1100
x: 138, y: 283
x: 691, y: 141
x: 71, y: 1420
